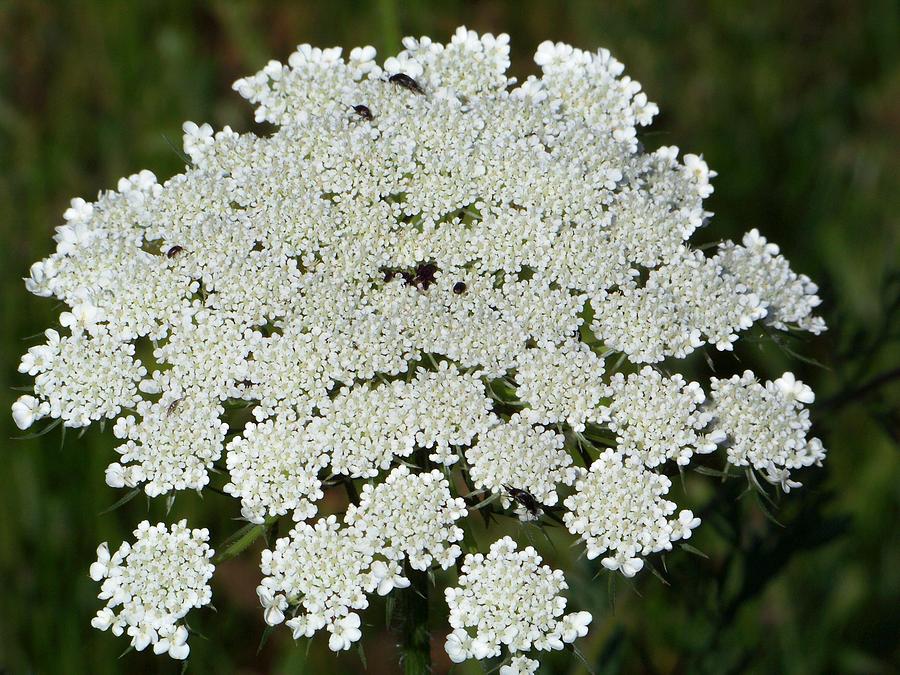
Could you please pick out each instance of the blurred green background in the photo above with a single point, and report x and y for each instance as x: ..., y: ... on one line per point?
x: 796, y: 104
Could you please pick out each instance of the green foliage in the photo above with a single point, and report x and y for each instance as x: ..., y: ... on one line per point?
x: 795, y: 104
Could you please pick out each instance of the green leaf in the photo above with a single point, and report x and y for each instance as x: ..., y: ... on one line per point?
x: 658, y: 575
x: 485, y: 502
x: 768, y: 514
x: 264, y: 638
x: 362, y: 655
x: 694, y: 550
x: 240, y: 540
x: 131, y: 494
x: 46, y: 430
x: 611, y: 591
x: 706, y: 471
x: 584, y: 662
x: 754, y: 481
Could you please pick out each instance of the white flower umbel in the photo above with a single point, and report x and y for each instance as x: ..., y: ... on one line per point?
x: 171, y: 446
x: 418, y: 280
x: 658, y: 418
x: 560, y: 385
x: 274, y: 469
x: 766, y: 425
x: 521, y: 665
x: 619, y: 508
x: 508, y: 599
x: 411, y: 516
x: 366, y: 428
x: 83, y: 378
x: 520, y: 456
x: 320, y: 575
x: 451, y: 409
x: 150, y: 585
x: 685, y: 304
x: 790, y: 297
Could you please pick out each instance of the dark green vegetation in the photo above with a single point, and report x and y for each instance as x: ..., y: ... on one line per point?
x: 795, y: 104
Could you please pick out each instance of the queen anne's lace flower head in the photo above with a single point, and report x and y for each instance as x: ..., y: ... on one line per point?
x: 790, y: 297
x: 560, y: 385
x: 658, y: 418
x: 150, y: 585
x: 521, y: 665
x: 171, y: 447
x: 321, y: 575
x: 82, y: 378
x: 507, y: 598
x: 274, y: 469
x: 619, y: 507
x: 365, y: 428
x: 766, y: 425
x: 411, y: 516
x: 521, y: 456
x: 429, y: 278
x: 686, y: 303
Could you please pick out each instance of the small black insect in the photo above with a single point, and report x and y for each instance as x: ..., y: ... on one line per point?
x: 424, y: 276
x: 525, y: 498
x: 421, y: 277
x: 459, y: 287
x: 172, y: 406
x: 364, y: 112
x: 405, y: 81
x: 172, y: 252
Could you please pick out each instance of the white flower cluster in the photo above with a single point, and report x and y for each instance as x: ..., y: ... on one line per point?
x: 325, y: 571
x: 685, y: 303
x: 620, y: 507
x: 274, y: 469
x: 80, y: 378
x: 365, y: 428
x: 507, y: 598
x: 151, y: 585
x: 520, y: 456
x: 426, y: 269
x: 789, y: 297
x: 520, y: 665
x: 560, y: 385
x: 411, y: 516
x: 658, y: 418
x: 172, y: 446
x: 767, y: 425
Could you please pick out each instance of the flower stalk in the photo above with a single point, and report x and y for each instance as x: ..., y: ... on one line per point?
x: 411, y: 615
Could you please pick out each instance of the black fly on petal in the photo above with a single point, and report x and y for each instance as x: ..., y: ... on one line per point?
x: 405, y: 81
x: 364, y: 112
x: 525, y: 498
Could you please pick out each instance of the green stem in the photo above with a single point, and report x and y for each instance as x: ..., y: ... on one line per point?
x: 412, y: 628
x: 352, y: 494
